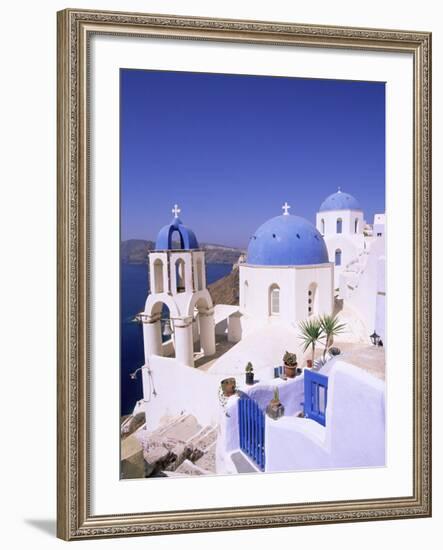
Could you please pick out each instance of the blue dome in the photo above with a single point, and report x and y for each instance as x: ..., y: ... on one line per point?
x: 287, y: 240
x: 164, y: 241
x: 340, y: 201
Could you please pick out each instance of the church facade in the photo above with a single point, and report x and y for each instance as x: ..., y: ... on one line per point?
x: 287, y: 276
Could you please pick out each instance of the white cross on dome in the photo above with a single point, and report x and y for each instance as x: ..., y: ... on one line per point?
x: 176, y: 210
x: 285, y: 209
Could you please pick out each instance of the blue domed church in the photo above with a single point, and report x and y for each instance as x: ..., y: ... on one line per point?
x: 340, y: 221
x: 287, y: 275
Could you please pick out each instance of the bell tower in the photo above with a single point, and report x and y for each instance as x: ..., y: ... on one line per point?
x: 177, y: 279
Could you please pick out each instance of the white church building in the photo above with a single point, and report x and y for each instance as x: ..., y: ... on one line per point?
x: 291, y: 273
x: 340, y: 222
x: 287, y: 276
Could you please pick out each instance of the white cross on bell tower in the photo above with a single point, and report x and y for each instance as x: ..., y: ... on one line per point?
x: 285, y: 209
x: 176, y: 210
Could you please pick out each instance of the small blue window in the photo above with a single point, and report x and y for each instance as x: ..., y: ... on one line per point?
x: 339, y: 225
x: 338, y: 257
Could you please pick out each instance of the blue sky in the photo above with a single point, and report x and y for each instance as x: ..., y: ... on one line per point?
x: 230, y: 150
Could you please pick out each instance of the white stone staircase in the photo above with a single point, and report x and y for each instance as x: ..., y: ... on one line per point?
x: 179, y: 446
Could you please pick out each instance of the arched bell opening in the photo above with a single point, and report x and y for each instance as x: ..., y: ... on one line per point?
x: 180, y: 282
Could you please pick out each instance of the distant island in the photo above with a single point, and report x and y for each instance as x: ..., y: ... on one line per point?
x: 135, y: 251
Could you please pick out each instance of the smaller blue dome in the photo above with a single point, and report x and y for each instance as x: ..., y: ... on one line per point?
x: 287, y: 240
x: 339, y: 201
x: 164, y: 241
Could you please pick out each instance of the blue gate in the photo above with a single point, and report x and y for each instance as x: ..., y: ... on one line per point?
x: 316, y: 396
x: 251, y: 421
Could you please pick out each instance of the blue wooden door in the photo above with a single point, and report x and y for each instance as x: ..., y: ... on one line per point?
x: 316, y: 396
x: 251, y: 421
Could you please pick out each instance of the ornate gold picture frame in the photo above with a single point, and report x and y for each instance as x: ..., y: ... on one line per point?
x: 74, y: 517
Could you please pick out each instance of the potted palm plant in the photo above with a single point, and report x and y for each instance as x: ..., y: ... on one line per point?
x: 311, y: 334
x: 290, y: 363
x: 249, y: 372
x: 330, y: 327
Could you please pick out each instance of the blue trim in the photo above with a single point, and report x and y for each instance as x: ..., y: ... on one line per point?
x: 316, y: 396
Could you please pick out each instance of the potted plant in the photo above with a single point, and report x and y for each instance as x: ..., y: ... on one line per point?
x: 228, y: 387
x: 330, y: 327
x: 249, y: 372
x: 290, y: 363
x: 275, y: 409
x: 311, y: 334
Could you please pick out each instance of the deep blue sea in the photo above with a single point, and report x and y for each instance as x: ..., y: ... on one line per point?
x: 134, y: 290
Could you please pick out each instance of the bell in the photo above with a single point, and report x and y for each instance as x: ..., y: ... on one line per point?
x: 167, y: 331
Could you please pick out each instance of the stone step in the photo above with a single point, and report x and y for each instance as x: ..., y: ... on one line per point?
x: 183, y: 428
x: 179, y: 440
x: 132, y: 423
x: 199, y: 434
x: 206, y: 438
x: 207, y: 461
x: 167, y: 422
x: 189, y: 468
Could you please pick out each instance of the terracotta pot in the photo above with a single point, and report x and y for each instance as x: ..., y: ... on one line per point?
x: 309, y: 363
x: 290, y: 371
x: 228, y: 386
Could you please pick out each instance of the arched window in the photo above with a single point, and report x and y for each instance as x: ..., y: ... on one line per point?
x: 180, y: 275
x: 356, y: 225
x: 158, y: 276
x: 312, y: 299
x: 274, y: 300
x: 245, y: 293
x: 339, y: 225
x: 338, y: 257
x: 199, y: 274
x: 322, y: 226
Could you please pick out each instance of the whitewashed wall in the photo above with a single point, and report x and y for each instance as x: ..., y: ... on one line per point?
x: 179, y: 390
x: 254, y: 297
x: 380, y: 305
x: 294, y: 282
x: 323, y: 277
x: 363, y: 295
x: 291, y: 396
x: 354, y: 435
x: 348, y: 218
